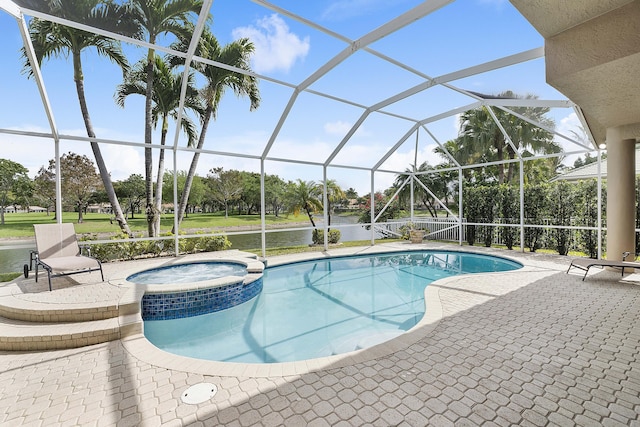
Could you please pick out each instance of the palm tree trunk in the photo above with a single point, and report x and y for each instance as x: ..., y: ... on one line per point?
x: 102, y: 167
x: 159, y: 178
x: 184, y: 197
x: 148, y: 155
x: 500, y: 154
x: 511, y: 169
x: 310, y: 215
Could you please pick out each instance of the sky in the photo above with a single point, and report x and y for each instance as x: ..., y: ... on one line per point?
x: 461, y: 34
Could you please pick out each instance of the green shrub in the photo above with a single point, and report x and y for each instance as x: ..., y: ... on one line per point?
x: 471, y: 212
x: 510, y: 213
x: 487, y: 210
x: 535, y: 197
x: 562, y: 206
x: 317, y: 236
x: 587, y: 214
x: 129, y: 250
x: 213, y: 243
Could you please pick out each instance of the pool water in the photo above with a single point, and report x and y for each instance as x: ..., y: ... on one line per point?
x: 188, y: 273
x: 320, y: 308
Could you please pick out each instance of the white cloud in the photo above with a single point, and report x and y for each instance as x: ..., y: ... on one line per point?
x: 337, y: 128
x: 341, y: 128
x: 276, y: 47
x: 571, y: 127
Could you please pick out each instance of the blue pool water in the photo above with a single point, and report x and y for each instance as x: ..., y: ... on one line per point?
x: 187, y: 273
x: 319, y: 308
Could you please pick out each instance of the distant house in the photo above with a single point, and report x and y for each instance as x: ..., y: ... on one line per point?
x: 100, y: 208
x: 12, y: 209
x: 591, y: 171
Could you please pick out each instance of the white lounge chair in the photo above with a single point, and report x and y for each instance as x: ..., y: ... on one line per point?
x: 57, y: 251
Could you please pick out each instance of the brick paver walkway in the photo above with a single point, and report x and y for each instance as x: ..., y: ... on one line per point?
x: 532, y: 348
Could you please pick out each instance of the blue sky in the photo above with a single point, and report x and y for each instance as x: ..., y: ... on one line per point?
x: 462, y: 34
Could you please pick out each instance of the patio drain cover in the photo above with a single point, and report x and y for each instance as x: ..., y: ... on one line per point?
x: 199, y: 393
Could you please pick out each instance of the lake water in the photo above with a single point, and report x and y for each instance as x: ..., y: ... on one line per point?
x: 14, y: 254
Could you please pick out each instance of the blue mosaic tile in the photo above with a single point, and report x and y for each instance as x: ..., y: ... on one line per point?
x: 182, y: 304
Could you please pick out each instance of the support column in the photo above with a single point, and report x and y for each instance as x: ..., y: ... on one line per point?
x: 621, y: 195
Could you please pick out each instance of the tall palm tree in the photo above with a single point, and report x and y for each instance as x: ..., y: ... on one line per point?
x: 155, y: 18
x: 307, y: 196
x: 479, y: 133
x: 166, y: 102
x: 52, y: 40
x: 334, y: 195
x: 218, y: 80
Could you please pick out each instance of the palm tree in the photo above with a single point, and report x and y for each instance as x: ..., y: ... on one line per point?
x: 236, y: 54
x: 307, y: 196
x: 155, y: 18
x: 437, y: 182
x: 166, y: 101
x: 334, y: 195
x: 54, y: 40
x: 480, y: 134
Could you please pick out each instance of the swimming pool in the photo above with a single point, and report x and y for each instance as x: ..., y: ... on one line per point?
x: 319, y: 308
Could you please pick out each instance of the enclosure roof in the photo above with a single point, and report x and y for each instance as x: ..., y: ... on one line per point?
x: 368, y: 87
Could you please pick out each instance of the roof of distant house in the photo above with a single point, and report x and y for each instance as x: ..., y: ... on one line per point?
x: 591, y: 171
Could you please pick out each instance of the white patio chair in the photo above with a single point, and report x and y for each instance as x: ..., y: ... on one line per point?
x: 57, y: 251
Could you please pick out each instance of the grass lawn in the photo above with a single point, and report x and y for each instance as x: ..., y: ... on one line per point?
x: 20, y: 225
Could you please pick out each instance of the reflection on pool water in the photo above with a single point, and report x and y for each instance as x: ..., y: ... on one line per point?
x: 187, y: 273
x: 319, y: 308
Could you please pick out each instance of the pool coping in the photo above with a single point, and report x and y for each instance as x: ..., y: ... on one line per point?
x: 135, y: 342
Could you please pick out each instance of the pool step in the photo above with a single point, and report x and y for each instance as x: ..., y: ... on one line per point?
x: 29, y: 311
x: 19, y: 335
x: 66, y: 318
x: 28, y: 336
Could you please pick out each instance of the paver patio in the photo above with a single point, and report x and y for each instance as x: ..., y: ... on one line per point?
x: 532, y: 347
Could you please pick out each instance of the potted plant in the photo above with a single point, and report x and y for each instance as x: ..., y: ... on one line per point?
x: 412, y: 233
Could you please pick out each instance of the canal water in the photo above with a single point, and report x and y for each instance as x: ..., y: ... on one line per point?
x: 14, y: 254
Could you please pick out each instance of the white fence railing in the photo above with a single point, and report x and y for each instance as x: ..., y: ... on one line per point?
x: 439, y: 228
x: 448, y: 229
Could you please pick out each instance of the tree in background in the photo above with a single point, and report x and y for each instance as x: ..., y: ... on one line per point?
x: 132, y: 190
x: 51, y: 40
x: 305, y: 196
x: 481, y: 139
x: 351, y: 193
x: 226, y: 186
x: 196, y: 197
x: 334, y: 196
x: 44, y: 186
x: 13, y: 181
x: 380, y: 201
x: 274, y: 191
x: 250, y: 194
x: 79, y: 181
